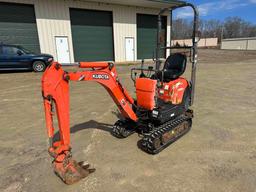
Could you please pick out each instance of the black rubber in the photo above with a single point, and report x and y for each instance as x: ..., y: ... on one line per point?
x: 147, y: 142
x: 39, y: 66
x: 122, y: 130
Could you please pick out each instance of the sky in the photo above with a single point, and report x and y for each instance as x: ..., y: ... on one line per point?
x: 220, y: 9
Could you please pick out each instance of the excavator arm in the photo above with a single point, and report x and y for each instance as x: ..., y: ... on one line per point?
x: 55, y: 91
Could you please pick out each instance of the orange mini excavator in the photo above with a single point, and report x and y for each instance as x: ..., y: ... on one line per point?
x: 160, y: 112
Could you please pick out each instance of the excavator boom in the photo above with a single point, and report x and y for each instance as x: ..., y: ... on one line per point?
x: 55, y: 91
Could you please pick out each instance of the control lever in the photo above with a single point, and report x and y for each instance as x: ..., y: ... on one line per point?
x: 142, y: 74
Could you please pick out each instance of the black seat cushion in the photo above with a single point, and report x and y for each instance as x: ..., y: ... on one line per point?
x: 174, y: 67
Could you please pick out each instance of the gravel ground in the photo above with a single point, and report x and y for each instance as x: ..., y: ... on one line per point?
x: 218, y: 154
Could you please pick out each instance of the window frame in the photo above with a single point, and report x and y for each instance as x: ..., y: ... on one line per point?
x: 12, y: 47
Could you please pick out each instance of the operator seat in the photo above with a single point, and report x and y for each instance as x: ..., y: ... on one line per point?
x: 174, y: 67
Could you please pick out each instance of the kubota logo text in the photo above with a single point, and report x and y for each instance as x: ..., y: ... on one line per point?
x: 100, y: 76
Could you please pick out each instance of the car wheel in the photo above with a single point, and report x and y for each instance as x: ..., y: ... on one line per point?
x: 39, y: 66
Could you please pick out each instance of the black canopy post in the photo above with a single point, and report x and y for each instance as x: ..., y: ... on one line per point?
x: 195, y: 52
x: 171, y: 25
x: 159, y: 29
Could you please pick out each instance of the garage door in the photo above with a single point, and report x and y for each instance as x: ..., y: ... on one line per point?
x: 92, y: 34
x: 146, y: 35
x: 18, y: 26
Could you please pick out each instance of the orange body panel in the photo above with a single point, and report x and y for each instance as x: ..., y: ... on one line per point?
x: 93, y: 64
x: 173, y: 91
x: 146, y: 91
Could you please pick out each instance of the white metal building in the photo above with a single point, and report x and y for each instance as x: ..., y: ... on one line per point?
x: 75, y: 30
x: 239, y: 43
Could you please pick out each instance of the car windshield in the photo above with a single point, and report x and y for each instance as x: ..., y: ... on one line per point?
x: 25, y: 50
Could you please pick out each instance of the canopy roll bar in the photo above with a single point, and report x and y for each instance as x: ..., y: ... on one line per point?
x: 194, y: 46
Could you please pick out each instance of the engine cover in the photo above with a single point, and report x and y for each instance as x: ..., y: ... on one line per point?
x: 173, y: 91
x: 146, y: 91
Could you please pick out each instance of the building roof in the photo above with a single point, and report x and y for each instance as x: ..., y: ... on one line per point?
x: 169, y: 3
x: 144, y: 3
x: 239, y: 39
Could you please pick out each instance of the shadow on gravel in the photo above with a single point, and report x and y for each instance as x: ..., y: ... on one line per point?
x: 91, y: 125
x: 87, y: 125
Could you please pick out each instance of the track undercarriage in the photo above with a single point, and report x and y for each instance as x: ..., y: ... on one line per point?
x: 158, y: 137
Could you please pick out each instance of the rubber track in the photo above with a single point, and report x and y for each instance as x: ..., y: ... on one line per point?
x: 147, y: 143
x: 118, y: 130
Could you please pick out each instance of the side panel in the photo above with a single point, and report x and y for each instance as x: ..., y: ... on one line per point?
x: 173, y: 91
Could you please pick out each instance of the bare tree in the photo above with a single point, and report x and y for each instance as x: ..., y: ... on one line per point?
x: 212, y: 28
x: 232, y: 27
x: 182, y: 28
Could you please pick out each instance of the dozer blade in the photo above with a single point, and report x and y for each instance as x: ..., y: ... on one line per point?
x: 70, y: 171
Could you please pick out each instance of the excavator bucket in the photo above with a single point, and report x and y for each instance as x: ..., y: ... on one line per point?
x: 71, y: 172
x: 66, y: 168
